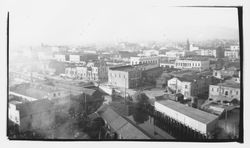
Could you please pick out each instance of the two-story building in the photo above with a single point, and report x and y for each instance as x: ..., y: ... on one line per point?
x: 229, y: 90
x: 190, y: 84
x: 152, y: 60
x: 192, y: 64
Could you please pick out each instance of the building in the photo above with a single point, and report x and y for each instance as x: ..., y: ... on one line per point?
x: 151, y: 52
x: 119, y: 126
x: 174, y: 54
x: 35, y: 115
x: 225, y: 73
x: 130, y: 76
x: 124, y: 76
x: 208, y: 52
x: 169, y: 64
x: 229, y: 90
x: 36, y: 91
x: 149, y: 76
x: 232, y: 54
x: 60, y: 57
x: 93, y: 71
x: 152, y: 60
x: 235, y: 47
x: 192, y: 64
x: 196, y: 119
x: 74, y: 57
x: 193, y: 48
x: 190, y: 84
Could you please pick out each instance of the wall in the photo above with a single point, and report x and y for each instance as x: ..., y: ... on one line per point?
x: 215, y: 90
x: 14, y: 114
x: 118, y: 78
x: 194, y: 124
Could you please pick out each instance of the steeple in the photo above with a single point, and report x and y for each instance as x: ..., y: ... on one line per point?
x: 188, y: 45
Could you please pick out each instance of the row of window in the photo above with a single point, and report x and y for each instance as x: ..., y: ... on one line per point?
x: 188, y: 64
x: 145, y: 62
x: 225, y: 92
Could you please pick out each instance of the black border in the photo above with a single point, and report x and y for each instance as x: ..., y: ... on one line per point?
x: 239, y: 140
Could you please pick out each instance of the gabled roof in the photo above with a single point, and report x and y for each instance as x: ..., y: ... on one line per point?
x: 120, y: 125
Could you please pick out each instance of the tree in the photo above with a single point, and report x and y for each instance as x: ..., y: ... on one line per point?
x: 141, y: 101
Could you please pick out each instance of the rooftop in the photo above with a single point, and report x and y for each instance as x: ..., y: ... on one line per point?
x: 230, y: 83
x: 195, y: 59
x: 193, y: 113
x: 122, y: 68
x: 34, y: 91
x: 121, y: 125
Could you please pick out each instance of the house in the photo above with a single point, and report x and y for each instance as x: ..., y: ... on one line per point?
x: 228, y: 91
x: 189, y: 83
x: 225, y: 73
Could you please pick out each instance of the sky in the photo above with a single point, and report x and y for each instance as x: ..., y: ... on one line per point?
x: 82, y: 22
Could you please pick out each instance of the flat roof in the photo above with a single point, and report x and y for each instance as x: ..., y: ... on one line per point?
x: 230, y: 84
x: 193, y: 113
x: 38, y: 92
x: 122, y: 68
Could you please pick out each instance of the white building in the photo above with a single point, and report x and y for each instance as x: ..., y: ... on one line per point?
x: 74, y: 58
x: 190, y: 84
x: 235, y: 47
x: 232, y: 54
x: 196, y: 119
x: 93, y: 71
x: 150, y: 52
x: 193, y: 48
x: 208, y: 52
x: 14, y: 114
x: 175, y: 54
x: 124, y: 76
x: 228, y: 91
x: 167, y: 64
x: 60, y: 57
x: 192, y: 64
x: 152, y: 60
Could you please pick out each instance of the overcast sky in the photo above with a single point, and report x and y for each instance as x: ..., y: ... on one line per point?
x: 79, y: 22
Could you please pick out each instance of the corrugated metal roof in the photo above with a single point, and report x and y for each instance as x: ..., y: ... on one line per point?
x: 193, y: 113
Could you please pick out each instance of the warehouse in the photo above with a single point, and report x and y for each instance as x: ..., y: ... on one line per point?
x: 196, y: 119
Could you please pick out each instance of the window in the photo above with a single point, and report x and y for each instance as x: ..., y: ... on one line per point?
x: 231, y: 91
x: 215, y: 73
x: 186, y: 86
x: 226, y: 93
x: 212, y: 89
x: 236, y: 92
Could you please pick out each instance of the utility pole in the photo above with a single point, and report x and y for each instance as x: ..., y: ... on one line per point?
x: 125, y: 88
x: 85, y: 103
